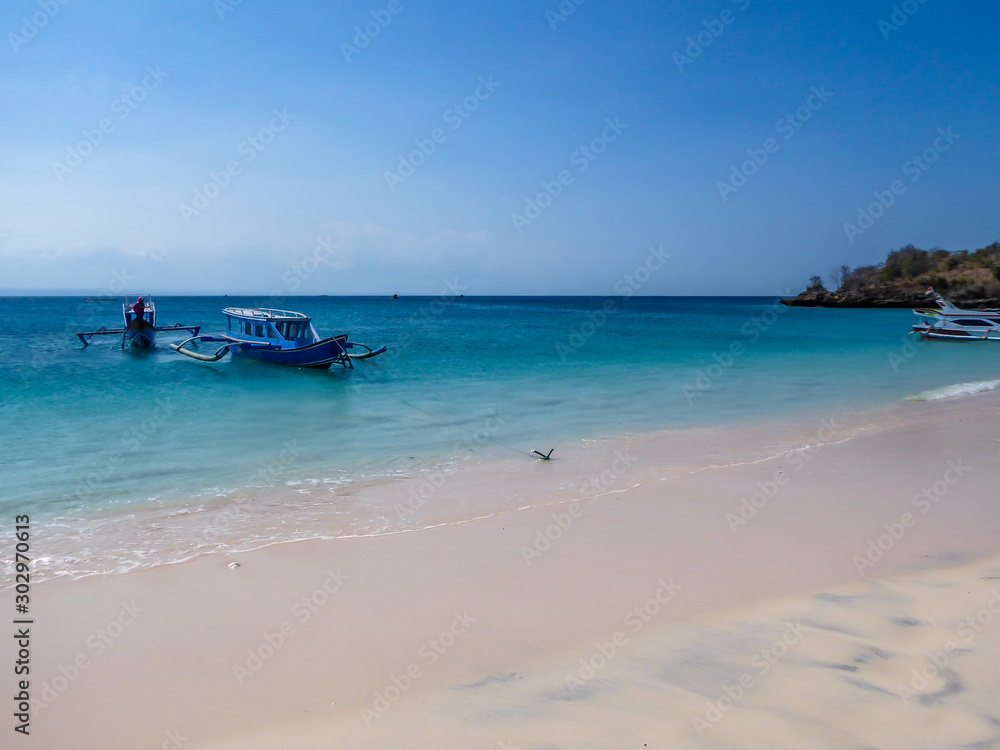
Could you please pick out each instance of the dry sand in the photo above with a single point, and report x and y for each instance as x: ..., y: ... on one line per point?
x: 448, y: 637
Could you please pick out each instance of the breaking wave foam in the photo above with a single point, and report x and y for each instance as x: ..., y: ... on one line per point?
x: 955, y: 391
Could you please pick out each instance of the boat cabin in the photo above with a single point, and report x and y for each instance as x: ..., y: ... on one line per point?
x: 280, y: 328
x: 149, y: 310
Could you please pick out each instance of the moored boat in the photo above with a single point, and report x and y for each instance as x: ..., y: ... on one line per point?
x: 952, y: 323
x: 139, y: 327
x: 281, y: 337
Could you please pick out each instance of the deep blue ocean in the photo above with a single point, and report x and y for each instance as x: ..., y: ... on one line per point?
x: 97, y: 430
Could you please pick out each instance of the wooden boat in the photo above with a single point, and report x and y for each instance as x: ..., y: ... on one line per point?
x: 282, y: 337
x: 139, y: 331
x: 955, y: 324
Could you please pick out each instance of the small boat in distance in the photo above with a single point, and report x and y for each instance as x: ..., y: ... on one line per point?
x: 139, y: 327
x: 955, y: 324
x: 282, y: 337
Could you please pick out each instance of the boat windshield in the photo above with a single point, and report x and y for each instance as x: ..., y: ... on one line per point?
x: 292, y: 331
x: 971, y: 322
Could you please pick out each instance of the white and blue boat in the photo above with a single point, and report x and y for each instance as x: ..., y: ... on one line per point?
x: 281, y: 337
x: 139, y: 327
x: 952, y: 323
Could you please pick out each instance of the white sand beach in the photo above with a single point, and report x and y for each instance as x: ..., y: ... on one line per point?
x: 818, y: 598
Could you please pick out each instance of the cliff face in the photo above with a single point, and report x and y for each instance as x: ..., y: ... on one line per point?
x: 968, y: 279
x: 878, y: 297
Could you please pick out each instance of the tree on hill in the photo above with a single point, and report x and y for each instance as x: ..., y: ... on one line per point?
x: 965, y: 277
x: 863, y: 277
x: 840, y: 275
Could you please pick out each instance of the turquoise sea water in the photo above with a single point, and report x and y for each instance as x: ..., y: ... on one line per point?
x: 95, y: 431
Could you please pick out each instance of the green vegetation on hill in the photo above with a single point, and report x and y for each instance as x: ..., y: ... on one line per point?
x: 961, y: 275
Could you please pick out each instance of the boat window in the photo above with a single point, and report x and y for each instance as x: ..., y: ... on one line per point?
x: 258, y: 330
x: 283, y: 330
x: 271, y: 334
x: 293, y: 330
x: 970, y: 322
x: 246, y: 327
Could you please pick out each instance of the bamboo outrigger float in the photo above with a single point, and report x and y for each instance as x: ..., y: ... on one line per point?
x: 279, y: 336
x: 139, y: 329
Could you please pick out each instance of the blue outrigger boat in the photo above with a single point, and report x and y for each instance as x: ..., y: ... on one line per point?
x: 139, y: 329
x: 279, y: 336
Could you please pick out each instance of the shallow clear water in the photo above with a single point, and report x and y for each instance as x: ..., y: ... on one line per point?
x: 88, y: 432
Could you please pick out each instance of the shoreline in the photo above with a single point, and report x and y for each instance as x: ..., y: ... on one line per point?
x: 241, y: 520
x: 332, y: 622
x: 437, y: 494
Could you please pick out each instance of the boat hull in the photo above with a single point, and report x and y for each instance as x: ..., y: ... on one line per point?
x: 320, y: 355
x: 140, y: 334
x: 956, y: 333
x: 951, y: 323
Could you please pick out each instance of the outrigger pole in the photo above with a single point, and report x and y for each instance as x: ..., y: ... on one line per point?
x: 102, y: 331
x: 228, y: 344
x: 221, y: 352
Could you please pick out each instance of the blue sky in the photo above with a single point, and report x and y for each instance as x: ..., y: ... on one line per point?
x: 349, y: 115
